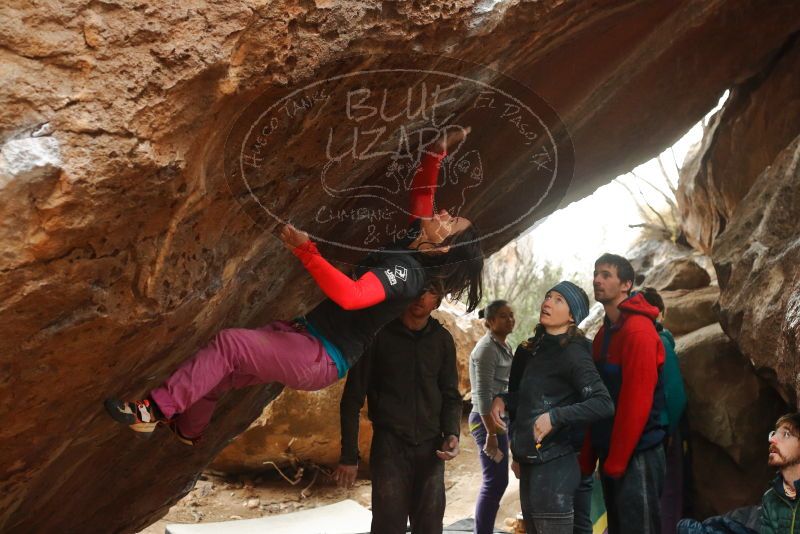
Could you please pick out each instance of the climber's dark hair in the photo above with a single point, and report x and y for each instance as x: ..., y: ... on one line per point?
x: 459, y: 271
x: 652, y: 297
x: 491, y: 309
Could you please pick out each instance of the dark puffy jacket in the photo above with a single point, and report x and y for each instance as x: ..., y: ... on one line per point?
x: 561, y: 380
x: 740, y: 521
x: 779, y: 512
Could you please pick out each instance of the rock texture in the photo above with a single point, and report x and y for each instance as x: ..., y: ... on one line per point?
x: 689, y: 310
x: 466, y: 331
x: 122, y: 250
x: 730, y: 412
x: 756, y: 123
x: 304, y: 426
x: 648, y: 255
x: 682, y: 273
x: 297, y: 426
x: 758, y: 261
x: 740, y: 201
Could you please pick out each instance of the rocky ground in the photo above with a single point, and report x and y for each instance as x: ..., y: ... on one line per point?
x: 226, y: 498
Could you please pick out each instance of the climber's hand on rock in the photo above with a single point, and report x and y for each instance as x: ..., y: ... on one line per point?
x: 292, y: 237
x: 452, y: 136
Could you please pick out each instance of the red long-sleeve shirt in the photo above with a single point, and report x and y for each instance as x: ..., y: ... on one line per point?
x: 423, y: 186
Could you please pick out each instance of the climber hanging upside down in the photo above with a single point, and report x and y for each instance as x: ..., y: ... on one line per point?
x: 312, y: 352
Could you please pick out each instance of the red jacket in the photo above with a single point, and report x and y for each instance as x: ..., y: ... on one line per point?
x: 631, y: 370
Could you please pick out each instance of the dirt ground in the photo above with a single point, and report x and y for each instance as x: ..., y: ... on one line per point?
x: 225, y: 498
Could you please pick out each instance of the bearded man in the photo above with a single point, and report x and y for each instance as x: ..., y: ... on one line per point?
x: 779, y: 504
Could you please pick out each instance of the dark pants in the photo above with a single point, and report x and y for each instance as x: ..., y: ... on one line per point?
x: 546, y: 493
x: 632, y: 501
x: 495, y: 477
x: 672, y: 497
x: 407, y: 483
x: 583, y: 506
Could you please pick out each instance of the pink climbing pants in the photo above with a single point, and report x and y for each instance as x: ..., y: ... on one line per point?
x: 239, y: 357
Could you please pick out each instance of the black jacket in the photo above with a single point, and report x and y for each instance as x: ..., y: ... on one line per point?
x: 411, y: 381
x: 403, y: 280
x: 546, y: 377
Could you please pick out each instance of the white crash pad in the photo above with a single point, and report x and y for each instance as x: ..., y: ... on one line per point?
x: 344, y: 517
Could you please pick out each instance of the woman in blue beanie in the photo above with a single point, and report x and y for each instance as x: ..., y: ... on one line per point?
x: 554, y: 393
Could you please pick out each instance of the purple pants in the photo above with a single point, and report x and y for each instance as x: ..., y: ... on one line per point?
x: 495, y: 477
x: 239, y: 357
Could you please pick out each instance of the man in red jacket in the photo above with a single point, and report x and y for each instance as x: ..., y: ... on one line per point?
x: 629, y: 356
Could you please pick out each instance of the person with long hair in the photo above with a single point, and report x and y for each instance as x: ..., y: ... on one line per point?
x: 309, y: 353
x: 554, y: 391
x: 489, y: 367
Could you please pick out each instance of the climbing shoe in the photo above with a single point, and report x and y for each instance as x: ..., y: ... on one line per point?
x: 141, y: 416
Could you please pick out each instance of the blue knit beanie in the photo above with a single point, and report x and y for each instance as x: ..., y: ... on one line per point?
x: 576, y: 299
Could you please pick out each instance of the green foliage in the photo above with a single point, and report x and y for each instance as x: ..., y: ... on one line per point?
x: 658, y: 210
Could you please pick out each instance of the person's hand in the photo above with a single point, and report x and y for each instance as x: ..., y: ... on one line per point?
x: 498, y: 409
x: 542, y: 427
x: 292, y: 237
x: 449, y: 449
x: 492, y: 449
x: 515, y: 468
x: 345, y: 475
x: 451, y: 136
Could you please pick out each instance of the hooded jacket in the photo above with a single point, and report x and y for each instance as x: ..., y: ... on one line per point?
x: 629, y: 356
x: 674, y: 390
x: 555, y: 375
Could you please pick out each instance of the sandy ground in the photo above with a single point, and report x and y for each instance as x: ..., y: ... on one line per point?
x: 219, y: 498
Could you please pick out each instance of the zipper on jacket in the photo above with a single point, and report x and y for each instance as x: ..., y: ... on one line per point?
x: 794, y: 508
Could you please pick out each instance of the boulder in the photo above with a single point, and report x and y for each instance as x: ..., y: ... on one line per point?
x: 681, y: 273
x: 297, y: 427
x: 647, y: 255
x: 758, y: 263
x: 689, y: 310
x: 124, y: 249
x: 466, y: 330
x: 730, y: 410
x: 756, y: 123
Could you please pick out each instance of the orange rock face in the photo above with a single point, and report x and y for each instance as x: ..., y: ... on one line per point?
x: 122, y: 249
